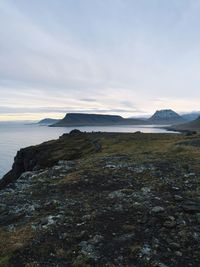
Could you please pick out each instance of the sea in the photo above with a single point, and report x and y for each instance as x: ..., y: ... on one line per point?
x: 17, y: 135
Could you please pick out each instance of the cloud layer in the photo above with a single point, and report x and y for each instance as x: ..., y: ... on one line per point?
x: 127, y: 57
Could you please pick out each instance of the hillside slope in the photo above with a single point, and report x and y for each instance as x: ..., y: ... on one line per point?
x: 190, y: 126
x: 48, y: 121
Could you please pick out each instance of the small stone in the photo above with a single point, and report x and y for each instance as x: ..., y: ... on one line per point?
x: 97, y: 239
x: 195, y: 236
x: 175, y: 188
x: 160, y: 264
x: 87, y: 217
x: 125, y: 238
x: 157, y: 209
x: 191, y: 208
x: 189, y: 174
x: 146, y: 190
x: 111, y: 166
x: 179, y: 254
x: 44, y: 221
x: 178, y: 198
x: 174, y: 245
x: 145, y: 251
x: 198, y: 217
x: 170, y: 222
x: 89, y: 250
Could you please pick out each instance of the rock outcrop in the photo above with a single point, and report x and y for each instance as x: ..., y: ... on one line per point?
x: 68, y: 147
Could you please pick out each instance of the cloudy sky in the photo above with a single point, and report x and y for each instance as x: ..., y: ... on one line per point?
x: 124, y: 57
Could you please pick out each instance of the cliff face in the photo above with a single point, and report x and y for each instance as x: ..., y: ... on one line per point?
x: 104, y: 199
x: 67, y: 147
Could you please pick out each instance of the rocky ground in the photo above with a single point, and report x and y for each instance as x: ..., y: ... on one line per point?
x: 121, y: 200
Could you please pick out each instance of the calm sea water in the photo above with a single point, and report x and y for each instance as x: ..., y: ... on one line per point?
x: 14, y: 136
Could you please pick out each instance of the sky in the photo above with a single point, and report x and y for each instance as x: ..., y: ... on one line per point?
x: 125, y: 57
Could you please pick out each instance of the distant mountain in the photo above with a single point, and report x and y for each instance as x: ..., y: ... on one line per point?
x: 84, y: 119
x: 189, y: 126
x: 48, y: 121
x: 191, y: 116
x: 165, y: 116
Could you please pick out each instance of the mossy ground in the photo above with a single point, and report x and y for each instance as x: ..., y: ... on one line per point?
x: 97, y: 210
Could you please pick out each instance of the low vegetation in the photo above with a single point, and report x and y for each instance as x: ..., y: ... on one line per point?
x: 105, y: 200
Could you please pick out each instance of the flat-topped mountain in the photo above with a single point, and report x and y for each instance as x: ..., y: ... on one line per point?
x: 84, y: 119
x: 165, y: 116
